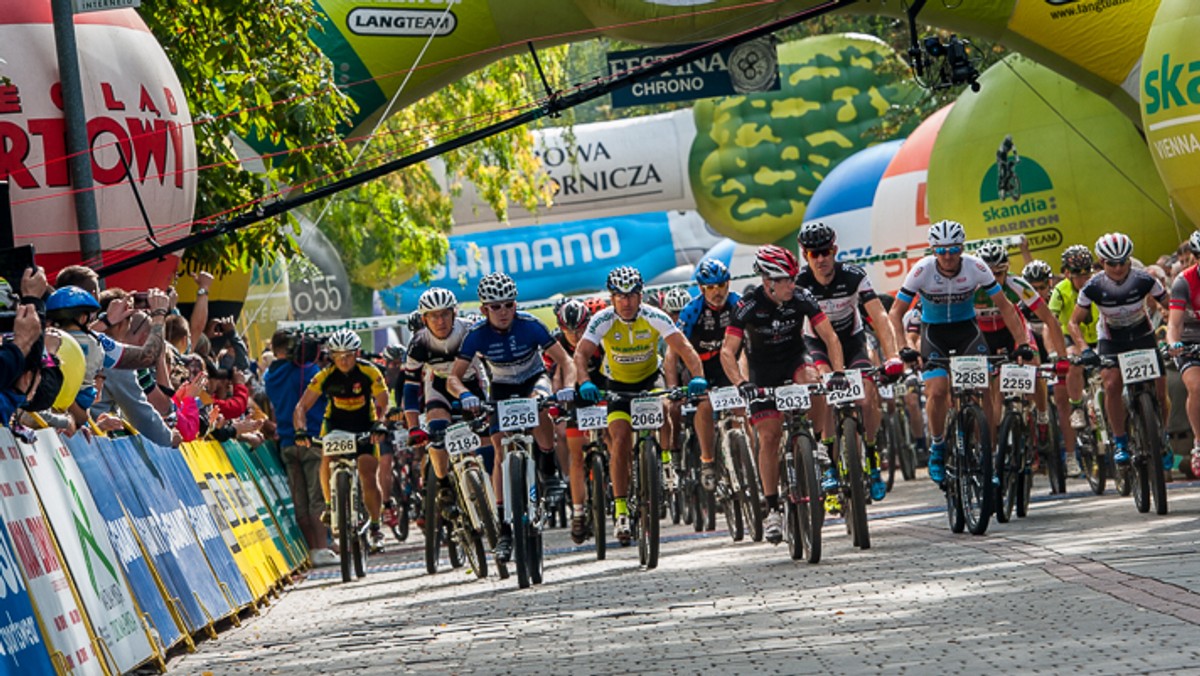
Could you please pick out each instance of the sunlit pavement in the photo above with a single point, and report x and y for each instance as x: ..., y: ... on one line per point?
x: 1083, y: 584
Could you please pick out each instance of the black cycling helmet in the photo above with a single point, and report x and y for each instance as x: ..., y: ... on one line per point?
x: 816, y: 236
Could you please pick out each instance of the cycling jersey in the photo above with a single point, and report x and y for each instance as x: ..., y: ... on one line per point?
x: 630, y: 348
x: 840, y: 298
x: 1019, y: 293
x: 593, y: 366
x: 1122, y: 307
x: 946, y: 300
x: 512, y: 356
x: 351, y: 395
x: 1185, y: 296
x: 430, y: 361
x: 704, y: 325
x: 772, y: 333
x: 1062, y: 305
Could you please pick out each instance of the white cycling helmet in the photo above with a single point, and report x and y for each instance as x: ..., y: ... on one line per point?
x: 1037, y: 271
x: 946, y: 233
x: 496, y: 287
x: 1194, y: 242
x: 1113, y: 247
x: 676, y: 299
x: 435, y: 299
x: 624, y: 279
x: 343, y: 340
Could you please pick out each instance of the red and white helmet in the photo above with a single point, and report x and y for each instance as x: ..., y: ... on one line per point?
x: 1114, y: 247
x: 776, y: 262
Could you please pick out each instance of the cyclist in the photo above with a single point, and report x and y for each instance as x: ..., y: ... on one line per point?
x: 510, y: 344
x: 840, y: 288
x: 432, y: 351
x: 1120, y: 294
x: 946, y: 283
x: 769, y: 321
x: 703, y: 322
x: 673, y: 303
x: 1183, y: 330
x: 629, y: 332
x: 573, y: 317
x: 358, y: 400
x: 1077, y: 269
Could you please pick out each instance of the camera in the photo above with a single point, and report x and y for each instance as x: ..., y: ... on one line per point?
x: 941, y: 65
x: 303, y: 348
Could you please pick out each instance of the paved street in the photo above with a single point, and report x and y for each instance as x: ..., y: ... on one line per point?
x: 1084, y: 584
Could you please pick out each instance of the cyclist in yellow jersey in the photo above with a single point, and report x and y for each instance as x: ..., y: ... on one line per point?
x: 358, y: 399
x: 629, y: 332
x: 1077, y: 268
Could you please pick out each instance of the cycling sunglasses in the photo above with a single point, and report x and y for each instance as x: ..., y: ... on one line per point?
x: 506, y: 305
x: 943, y: 250
x: 819, y: 253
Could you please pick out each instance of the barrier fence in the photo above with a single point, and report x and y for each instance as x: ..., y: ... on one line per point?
x: 115, y: 550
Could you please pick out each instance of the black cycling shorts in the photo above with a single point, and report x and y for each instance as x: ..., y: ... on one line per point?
x: 939, y: 341
x: 854, y: 351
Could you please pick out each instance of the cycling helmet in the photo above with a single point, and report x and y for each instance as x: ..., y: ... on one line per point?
x: 625, y: 280
x: 595, y: 304
x: 435, y: 299
x: 1037, y: 271
x: 1077, y: 257
x: 993, y: 253
x: 1114, y: 246
x: 393, y: 353
x: 946, y: 233
x: 816, y: 236
x: 653, y: 299
x: 343, y: 340
x: 72, y: 298
x: 711, y: 271
x: 676, y: 299
x: 573, y: 315
x: 1194, y: 242
x: 496, y: 287
x: 775, y: 262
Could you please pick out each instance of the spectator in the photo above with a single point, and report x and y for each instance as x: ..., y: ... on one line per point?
x: 228, y: 391
x: 20, y: 358
x: 123, y: 390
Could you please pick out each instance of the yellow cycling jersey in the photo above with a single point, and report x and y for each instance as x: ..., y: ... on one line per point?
x: 630, y: 348
x: 1062, y: 304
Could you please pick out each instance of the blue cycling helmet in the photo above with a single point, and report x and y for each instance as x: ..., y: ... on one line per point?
x: 711, y: 271
x: 72, y: 298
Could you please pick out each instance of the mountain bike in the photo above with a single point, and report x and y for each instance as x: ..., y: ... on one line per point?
x: 699, y: 504
x: 968, y: 483
x: 594, y: 420
x: 799, y: 482
x: 406, y: 492
x: 1094, y: 442
x: 853, y: 490
x: 1015, y: 443
x: 895, y: 442
x: 645, y: 486
x: 738, y: 488
x: 472, y: 520
x: 524, y: 502
x: 345, y: 512
x: 1140, y: 370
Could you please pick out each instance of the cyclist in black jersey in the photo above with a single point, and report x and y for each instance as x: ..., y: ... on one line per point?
x: 358, y: 400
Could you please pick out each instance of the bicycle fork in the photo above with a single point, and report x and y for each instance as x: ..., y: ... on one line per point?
x: 518, y: 459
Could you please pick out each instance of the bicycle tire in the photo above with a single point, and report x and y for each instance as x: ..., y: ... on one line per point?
x: 343, y: 523
x: 751, y: 503
x: 1093, y: 467
x: 889, y: 449
x: 954, y: 507
x: 851, y: 454
x: 1005, y: 452
x: 358, y: 544
x: 689, y: 480
x: 1153, y: 438
x: 810, y: 505
x: 597, y: 483
x: 731, y: 501
x: 518, y: 495
x: 649, y: 497
x: 901, y: 435
x: 433, y: 523
x: 1025, y: 477
x: 1056, y: 471
x: 477, y: 497
x: 976, y: 478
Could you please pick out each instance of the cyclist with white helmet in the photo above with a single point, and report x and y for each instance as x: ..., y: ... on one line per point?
x: 1183, y: 330
x: 510, y: 343
x: 840, y: 290
x: 1039, y: 276
x: 629, y: 332
x: 357, y: 399
x: 674, y: 300
x: 1077, y: 263
x: 703, y: 322
x: 1119, y: 292
x: 432, y: 350
x: 769, y: 322
x: 946, y: 283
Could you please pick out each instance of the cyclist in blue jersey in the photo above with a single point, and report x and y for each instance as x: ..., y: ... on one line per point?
x: 946, y: 283
x: 511, y: 344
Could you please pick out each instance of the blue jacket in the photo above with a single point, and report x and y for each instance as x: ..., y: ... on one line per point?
x: 285, y: 384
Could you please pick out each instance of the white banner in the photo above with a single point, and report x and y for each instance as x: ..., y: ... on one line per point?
x: 61, y: 618
x: 85, y: 546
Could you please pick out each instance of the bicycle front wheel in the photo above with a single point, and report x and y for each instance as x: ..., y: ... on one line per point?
x: 649, y: 500
x: 751, y: 498
x: 1152, y: 439
x: 851, y: 452
x: 1006, y: 465
x: 808, y: 506
x: 518, y: 496
x: 975, y: 474
x: 951, y: 485
x: 346, y: 532
x: 598, y: 507
x: 433, y: 522
x: 477, y: 498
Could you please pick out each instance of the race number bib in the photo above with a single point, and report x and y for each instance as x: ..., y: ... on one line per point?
x: 339, y: 446
x: 460, y: 439
x: 725, y: 398
x: 591, y: 418
x: 1139, y: 365
x: 1017, y: 379
x: 688, y: 409
x: 646, y: 413
x: 517, y: 414
x: 969, y: 373
x: 887, y: 392
x: 792, y: 398
x: 851, y: 393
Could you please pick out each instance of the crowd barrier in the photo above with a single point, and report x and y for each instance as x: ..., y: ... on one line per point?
x: 114, y: 551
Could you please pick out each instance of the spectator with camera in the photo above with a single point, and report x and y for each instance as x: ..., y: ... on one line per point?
x: 285, y: 381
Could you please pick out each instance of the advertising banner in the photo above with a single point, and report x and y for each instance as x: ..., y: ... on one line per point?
x: 206, y: 528
x: 252, y: 492
x: 62, y: 620
x: 283, y: 507
x: 750, y: 66
x: 22, y: 650
x: 83, y: 541
x: 120, y: 533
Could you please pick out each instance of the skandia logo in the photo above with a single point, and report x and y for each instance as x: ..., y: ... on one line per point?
x: 1171, y: 85
x: 1029, y: 205
x: 1031, y: 209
